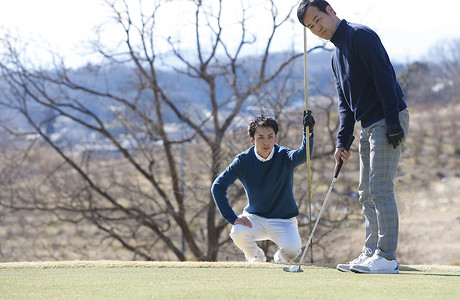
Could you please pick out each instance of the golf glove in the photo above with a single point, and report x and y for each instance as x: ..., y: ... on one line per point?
x: 308, y: 120
x: 395, y: 135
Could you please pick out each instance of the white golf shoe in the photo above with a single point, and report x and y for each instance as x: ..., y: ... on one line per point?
x: 359, y: 260
x: 260, y: 257
x: 376, y: 265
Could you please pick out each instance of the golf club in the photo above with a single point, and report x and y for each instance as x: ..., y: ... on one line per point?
x: 296, y: 268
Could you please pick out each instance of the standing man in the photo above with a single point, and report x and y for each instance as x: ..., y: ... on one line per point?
x: 266, y: 171
x: 368, y: 92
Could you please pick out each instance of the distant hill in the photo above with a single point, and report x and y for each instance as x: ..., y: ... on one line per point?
x: 184, y: 90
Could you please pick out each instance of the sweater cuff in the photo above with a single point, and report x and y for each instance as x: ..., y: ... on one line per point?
x: 232, y: 219
x: 392, y: 117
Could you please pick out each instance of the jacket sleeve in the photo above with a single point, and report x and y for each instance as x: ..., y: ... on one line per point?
x: 347, y: 119
x: 219, y: 190
x: 299, y: 156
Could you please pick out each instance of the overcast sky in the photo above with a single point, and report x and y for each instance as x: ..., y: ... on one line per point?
x: 408, y: 28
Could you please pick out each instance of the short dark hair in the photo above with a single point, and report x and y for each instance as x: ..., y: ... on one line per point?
x: 262, y: 121
x: 302, y: 9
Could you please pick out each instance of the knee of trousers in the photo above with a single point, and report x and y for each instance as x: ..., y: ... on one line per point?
x: 291, y: 248
x: 240, y: 233
x: 379, y: 195
x: 292, y: 251
x: 365, y: 200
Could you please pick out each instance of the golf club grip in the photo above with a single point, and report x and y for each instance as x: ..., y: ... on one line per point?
x: 347, y: 147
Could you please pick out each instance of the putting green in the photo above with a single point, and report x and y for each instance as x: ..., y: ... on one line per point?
x: 173, y: 280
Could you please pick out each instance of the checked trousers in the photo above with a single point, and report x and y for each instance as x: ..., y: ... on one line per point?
x: 378, y: 165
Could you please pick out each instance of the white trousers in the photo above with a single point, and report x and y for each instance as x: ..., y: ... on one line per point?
x: 283, y: 232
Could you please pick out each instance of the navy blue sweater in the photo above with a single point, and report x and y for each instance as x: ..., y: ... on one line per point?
x: 365, y: 79
x: 268, y: 185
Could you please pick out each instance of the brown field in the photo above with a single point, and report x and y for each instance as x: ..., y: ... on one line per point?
x: 427, y: 188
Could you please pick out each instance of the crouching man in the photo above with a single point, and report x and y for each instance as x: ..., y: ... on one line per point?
x: 266, y: 172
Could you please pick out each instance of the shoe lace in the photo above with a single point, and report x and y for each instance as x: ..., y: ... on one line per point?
x: 362, y: 257
x: 372, y: 259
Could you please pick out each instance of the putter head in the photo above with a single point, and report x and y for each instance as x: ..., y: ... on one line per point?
x: 290, y: 270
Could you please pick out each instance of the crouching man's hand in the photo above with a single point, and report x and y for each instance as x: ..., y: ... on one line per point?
x: 243, y: 221
x: 308, y: 121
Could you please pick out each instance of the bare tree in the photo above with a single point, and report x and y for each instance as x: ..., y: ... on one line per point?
x: 449, y: 57
x: 139, y: 198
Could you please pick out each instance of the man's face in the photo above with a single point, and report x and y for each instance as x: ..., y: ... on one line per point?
x: 321, y: 24
x: 264, y: 139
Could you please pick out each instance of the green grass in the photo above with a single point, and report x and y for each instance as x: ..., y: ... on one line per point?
x: 174, y: 280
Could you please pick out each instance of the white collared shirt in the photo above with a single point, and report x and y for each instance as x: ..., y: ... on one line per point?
x: 264, y: 159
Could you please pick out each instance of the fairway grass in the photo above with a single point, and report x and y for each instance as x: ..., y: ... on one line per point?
x: 206, y: 280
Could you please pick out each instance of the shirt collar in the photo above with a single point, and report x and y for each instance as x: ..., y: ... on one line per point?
x: 264, y: 159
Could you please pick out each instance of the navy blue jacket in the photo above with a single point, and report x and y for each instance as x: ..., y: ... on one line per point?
x: 365, y: 79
